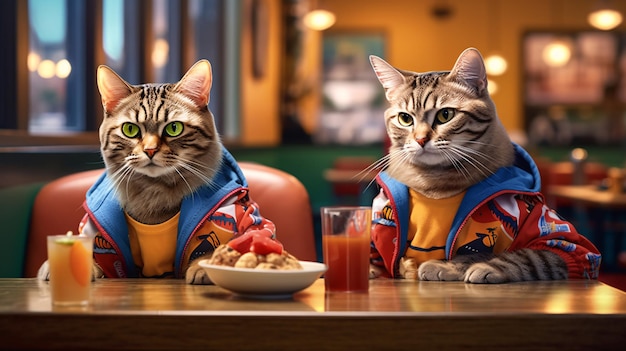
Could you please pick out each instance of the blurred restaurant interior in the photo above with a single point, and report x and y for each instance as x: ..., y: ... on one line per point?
x: 303, y: 99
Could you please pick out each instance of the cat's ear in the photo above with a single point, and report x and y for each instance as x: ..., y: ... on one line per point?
x: 470, y: 68
x: 112, y: 88
x: 196, y: 84
x: 388, y: 76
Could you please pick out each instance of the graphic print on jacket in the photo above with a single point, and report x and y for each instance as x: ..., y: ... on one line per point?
x: 458, y: 199
x: 167, y: 175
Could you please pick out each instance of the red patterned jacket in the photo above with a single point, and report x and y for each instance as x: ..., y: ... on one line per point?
x: 509, y: 200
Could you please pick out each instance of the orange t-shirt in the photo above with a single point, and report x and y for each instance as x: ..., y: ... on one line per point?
x: 154, y: 246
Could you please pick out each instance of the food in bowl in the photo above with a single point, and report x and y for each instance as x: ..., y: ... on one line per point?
x: 255, y: 250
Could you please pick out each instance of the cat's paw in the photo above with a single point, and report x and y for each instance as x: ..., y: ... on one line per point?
x: 483, y: 273
x: 196, y: 275
x: 438, y: 270
x: 408, y: 268
x: 96, y: 271
x: 44, y: 272
x: 375, y: 271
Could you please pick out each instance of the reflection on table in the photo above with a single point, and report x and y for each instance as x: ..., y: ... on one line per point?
x: 168, y: 314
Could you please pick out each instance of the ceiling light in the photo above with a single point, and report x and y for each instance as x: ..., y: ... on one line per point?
x: 319, y: 19
x: 492, y: 87
x: 495, y: 64
x: 557, y: 53
x: 604, y: 17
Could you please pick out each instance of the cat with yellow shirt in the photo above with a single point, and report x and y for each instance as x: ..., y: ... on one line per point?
x: 458, y: 200
x: 171, y: 192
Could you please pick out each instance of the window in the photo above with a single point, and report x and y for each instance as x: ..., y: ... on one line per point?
x: 144, y: 41
x: 49, y: 67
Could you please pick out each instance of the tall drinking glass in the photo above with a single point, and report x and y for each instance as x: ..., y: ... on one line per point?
x: 70, y: 260
x: 346, y: 247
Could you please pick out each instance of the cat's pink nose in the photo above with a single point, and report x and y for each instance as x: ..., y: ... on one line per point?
x: 422, y: 141
x: 151, y: 152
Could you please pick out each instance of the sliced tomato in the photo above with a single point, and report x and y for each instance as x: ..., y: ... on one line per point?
x: 263, y: 245
x: 243, y: 243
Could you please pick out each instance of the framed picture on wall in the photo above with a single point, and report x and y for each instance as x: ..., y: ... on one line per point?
x: 575, y: 87
x: 352, y: 98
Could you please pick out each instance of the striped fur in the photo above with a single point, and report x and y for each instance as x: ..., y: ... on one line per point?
x: 155, y: 169
x: 442, y: 159
x: 519, y: 265
x: 445, y: 137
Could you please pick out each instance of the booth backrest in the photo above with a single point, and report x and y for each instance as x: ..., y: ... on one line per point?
x: 281, y: 197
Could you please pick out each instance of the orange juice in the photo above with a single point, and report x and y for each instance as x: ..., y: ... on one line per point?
x: 70, y: 259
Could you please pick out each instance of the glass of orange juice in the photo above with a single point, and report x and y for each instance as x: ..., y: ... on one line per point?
x: 346, y: 247
x: 70, y: 260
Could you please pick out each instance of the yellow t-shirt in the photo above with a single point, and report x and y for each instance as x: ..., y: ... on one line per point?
x: 154, y: 246
x: 429, y: 223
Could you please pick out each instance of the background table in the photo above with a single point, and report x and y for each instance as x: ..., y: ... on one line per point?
x: 396, y: 314
x: 589, y: 194
x: 612, y: 210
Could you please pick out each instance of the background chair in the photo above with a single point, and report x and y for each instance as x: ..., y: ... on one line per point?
x: 350, y: 180
x: 281, y: 197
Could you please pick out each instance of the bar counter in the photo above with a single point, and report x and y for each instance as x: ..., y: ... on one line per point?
x: 146, y: 314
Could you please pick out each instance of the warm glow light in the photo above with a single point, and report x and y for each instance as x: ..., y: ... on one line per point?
x: 556, y: 54
x: 605, y: 19
x: 46, y: 69
x: 492, y: 87
x: 495, y: 65
x: 33, y: 61
x: 319, y: 19
x: 63, y: 69
x: 159, y: 52
x: 579, y: 154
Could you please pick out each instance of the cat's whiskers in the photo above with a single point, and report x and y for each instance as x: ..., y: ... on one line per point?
x: 459, y: 166
x: 191, y: 190
x: 124, y: 175
x: 197, y: 169
x: 381, y: 164
x: 468, y: 155
x: 401, y: 156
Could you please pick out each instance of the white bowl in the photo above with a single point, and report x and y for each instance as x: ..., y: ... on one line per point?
x: 264, y: 283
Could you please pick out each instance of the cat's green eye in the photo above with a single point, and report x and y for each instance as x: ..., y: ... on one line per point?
x: 405, y: 119
x: 444, y: 115
x: 131, y: 130
x: 174, y: 129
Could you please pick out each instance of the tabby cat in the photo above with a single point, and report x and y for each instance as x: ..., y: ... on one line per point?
x: 459, y: 200
x: 171, y: 192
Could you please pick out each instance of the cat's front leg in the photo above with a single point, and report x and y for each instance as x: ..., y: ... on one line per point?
x: 438, y: 270
x: 195, y: 274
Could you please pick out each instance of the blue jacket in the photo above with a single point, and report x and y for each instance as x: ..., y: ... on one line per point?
x: 112, y: 247
x: 519, y: 184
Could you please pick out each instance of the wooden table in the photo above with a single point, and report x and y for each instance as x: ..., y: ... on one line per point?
x: 396, y: 314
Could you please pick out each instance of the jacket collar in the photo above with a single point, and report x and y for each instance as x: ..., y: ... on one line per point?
x: 521, y: 177
x: 104, y: 207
